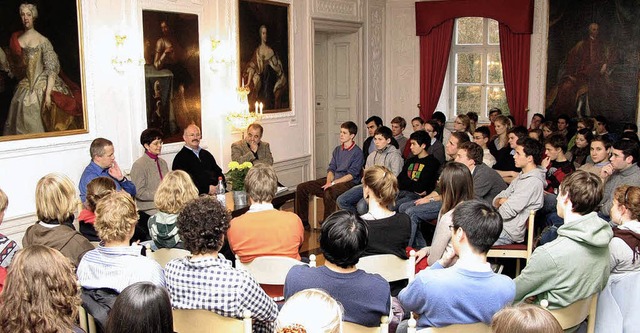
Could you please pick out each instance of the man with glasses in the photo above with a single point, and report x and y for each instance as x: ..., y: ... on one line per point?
x: 197, y: 162
x: 623, y: 170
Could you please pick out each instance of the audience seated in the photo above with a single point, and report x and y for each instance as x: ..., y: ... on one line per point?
x: 420, y: 172
x: 473, y: 118
x: 623, y: 170
x: 576, y: 264
x: 197, y: 162
x: 97, y: 189
x: 8, y: 247
x: 142, y: 308
x: 373, y: 123
x: 417, y: 124
x: 385, y: 155
x: 204, y: 281
x: 427, y: 208
x: 115, y: 264
x: 442, y: 120
x: 56, y: 201
x: 398, y: 124
x: 264, y: 230
x: 388, y: 232
x: 562, y: 122
x: 481, y: 137
x: 582, y: 123
x: 579, y: 153
x: 524, y: 194
x: 41, y: 293
x: 499, y: 145
x: 343, y: 173
x: 147, y: 172
x: 103, y: 164
x: 493, y: 115
x: 310, y: 310
x: 555, y: 163
x: 602, y: 128
x: 365, y: 297
x: 175, y: 190
x: 252, y: 148
x: 505, y: 163
x: 536, y: 121
x: 487, y: 183
x: 462, y: 124
x: 436, y: 148
x: 548, y: 128
x: 536, y: 134
x: 468, y: 291
x: 457, y: 186
x: 624, y: 246
x: 525, y: 318
x: 600, y: 151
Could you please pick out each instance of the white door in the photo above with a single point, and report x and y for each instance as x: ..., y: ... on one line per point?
x: 336, y: 78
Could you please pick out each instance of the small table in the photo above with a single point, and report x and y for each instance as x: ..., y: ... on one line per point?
x: 280, y: 199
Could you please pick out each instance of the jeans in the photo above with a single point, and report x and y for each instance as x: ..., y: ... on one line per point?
x: 349, y: 199
x: 425, y: 212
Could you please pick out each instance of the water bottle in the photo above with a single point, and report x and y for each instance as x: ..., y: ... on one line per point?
x: 220, y: 192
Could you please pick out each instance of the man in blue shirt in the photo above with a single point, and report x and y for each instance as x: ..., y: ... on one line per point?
x: 468, y: 291
x: 343, y: 173
x: 103, y: 164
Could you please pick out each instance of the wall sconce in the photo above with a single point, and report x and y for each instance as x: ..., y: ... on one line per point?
x: 122, y: 60
x: 221, y: 55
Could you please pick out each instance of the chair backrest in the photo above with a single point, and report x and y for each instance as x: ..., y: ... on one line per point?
x: 467, y: 328
x: 203, y: 321
x: 87, y: 322
x: 271, y: 269
x: 348, y: 327
x: 577, y: 312
x: 530, y: 232
x: 390, y: 267
x: 163, y: 256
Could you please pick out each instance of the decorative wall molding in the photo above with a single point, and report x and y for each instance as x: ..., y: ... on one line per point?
x: 350, y: 10
x: 15, y: 228
x: 294, y: 171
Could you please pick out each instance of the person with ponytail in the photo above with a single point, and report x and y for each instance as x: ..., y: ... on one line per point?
x: 624, y: 247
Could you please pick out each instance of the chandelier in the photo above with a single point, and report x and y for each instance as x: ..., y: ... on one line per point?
x: 241, y: 117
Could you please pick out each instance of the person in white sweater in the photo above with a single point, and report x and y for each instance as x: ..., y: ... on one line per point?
x: 623, y: 248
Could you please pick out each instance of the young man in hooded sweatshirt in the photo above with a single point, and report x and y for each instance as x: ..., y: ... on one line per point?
x: 576, y: 264
x: 524, y: 194
x: 385, y: 155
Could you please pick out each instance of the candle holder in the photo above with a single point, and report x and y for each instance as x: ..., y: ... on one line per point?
x: 243, y: 117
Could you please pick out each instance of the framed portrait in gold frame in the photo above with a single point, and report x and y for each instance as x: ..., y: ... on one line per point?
x: 42, y: 85
x: 264, y: 53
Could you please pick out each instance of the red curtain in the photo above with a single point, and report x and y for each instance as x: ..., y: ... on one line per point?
x: 434, y: 57
x: 515, y: 54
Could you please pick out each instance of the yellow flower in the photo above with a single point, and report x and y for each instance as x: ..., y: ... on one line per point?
x: 234, y: 165
x: 246, y: 165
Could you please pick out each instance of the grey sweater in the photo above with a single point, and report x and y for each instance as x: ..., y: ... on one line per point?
x: 487, y: 183
x: 389, y: 157
x: 629, y: 176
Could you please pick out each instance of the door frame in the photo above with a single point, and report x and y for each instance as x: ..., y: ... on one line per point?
x: 331, y: 26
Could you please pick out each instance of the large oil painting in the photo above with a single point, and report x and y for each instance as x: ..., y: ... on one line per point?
x: 264, y: 53
x: 172, y: 72
x: 593, y: 60
x: 41, y: 69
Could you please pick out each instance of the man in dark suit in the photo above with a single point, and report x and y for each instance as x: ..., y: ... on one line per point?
x: 198, y: 162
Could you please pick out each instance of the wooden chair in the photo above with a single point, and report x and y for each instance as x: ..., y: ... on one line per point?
x: 575, y: 313
x: 348, y: 327
x: 390, y: 267
x: 204, y: 321
x: 163, y: 256
x: 87, y: 322
x: 518, y: 251
x: 314, y: 221
x: 272, y: 270
x: 466, y: 328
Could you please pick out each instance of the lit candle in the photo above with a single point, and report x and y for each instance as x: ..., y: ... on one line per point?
x: 261, y: 107
x: 242, y: 82
x: 256, y: 108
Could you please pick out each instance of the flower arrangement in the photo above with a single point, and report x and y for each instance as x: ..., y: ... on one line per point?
x: 237, y: 173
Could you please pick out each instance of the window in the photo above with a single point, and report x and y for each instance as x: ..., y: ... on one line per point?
x: 476, y: 78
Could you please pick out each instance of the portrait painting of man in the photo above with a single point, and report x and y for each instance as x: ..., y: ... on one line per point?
x: 592, y: 59
x: 41, y: 74
x: 264, y: 53
x: 172, y: 72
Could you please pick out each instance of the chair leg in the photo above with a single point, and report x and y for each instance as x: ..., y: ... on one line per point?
x: 314, y: 220
x: 518, y: 266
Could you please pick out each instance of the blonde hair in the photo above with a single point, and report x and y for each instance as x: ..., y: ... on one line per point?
x: 116, y: 216
x: 310, y: 311
x: 261, y: 183
x: 175, y: 190
x: 4, y: 201
x: 31, y: 7
x: 382, y: 182
x: 504, y: 120
x: 629, y: 196
x: 97, y: 189
x: 56, y: 198
x: 41, y: 292
x: 525, y: 318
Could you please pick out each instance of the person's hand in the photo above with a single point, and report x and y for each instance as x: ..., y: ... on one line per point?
x: 499, y: 202
x: 545, y: 162
x: 423, y: 252
x: 212, y: 190
x: 606, y: 171
x: 47, y: 101
x: 115, y: 172
x: 326, y: 185
x: 253, y: 146
x: 448, y: 256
